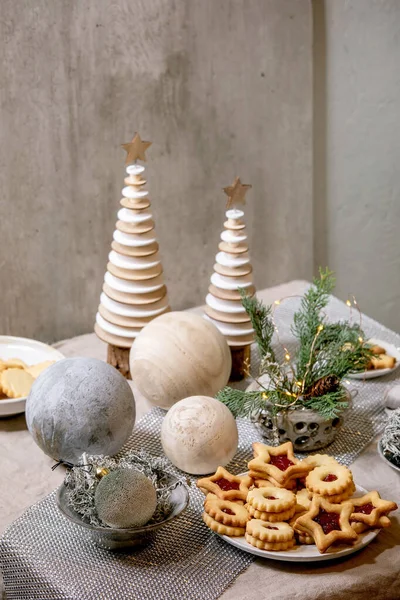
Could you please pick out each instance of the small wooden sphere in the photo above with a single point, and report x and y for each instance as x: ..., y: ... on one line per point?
x: 177, y: 355
x: 199, y: 434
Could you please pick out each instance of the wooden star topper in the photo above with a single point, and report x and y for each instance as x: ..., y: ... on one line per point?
x: 135, y: 149
x: 236, y: 193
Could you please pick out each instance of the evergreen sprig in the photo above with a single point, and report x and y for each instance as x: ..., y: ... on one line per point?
x: 308, y: 319
x: 241, y: 404
x: 326, y: 353
x: 260, y: 316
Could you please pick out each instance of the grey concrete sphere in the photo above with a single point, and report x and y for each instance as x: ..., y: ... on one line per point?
x: 125, y: 498
x: 80, y: 405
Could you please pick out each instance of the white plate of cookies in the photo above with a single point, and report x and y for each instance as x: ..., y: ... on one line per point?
x: 386, y: 361
x: 21, y: 362
x: 291, y: 510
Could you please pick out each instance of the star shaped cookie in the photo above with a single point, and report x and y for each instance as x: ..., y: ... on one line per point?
x: 225, y: 485
x: 276, y: 463
x: 327, y: 523
x: 370, y: 508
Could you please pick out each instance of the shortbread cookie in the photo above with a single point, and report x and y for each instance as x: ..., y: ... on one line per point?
x: 338, y: 498
x: 383, y: 361
x: 277, y: 462
x: 304, y: 539
x: 14, y: 363
x: 226, y: 512
x: 327, y: 523
x: 35, y: 370
x: 271, y: 499
x: 361, y: 527
x: 225, y: 485
x: 376, y: 349
x: 329, y: 480
x: 290, y: 484
x: 212, y: 496
x: 370, y: 508
x: 303, y: 500
x: 275, y: 546
x: 16, y: 383
x: 320, y: 460
x: 221, y: 528
x: 270, y: 532
x: 271, y: 517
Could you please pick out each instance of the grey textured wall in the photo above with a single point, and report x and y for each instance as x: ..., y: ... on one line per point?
x: 357, y: 141
x: 222, y: 88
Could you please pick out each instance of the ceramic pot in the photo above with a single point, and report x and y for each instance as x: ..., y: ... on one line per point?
x: 305, y: 428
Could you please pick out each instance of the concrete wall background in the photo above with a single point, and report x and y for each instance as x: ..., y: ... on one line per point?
x: 357, y: 150
x: 221, y: 88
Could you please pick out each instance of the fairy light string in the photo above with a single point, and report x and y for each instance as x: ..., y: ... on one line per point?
x: 300, y: 384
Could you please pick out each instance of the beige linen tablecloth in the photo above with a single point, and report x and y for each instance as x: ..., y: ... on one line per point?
x: 26, y: 477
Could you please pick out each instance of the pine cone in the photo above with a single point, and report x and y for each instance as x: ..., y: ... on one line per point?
x: 323, y: 386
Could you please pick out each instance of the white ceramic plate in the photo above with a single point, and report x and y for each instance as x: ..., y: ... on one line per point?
x: 383, y: 457
x: 391, y: 350
x: 29, y: 351
x: 307, y: 553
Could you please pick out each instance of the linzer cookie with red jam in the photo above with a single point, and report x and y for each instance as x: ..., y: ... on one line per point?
x: 277, y: 464
x: 332, y: 481
x: 327, y: 523
x: 226, y: 486
x: 226, y: 512
x: 269, y: 536
x: 370, y: 511
x: 271, y: 504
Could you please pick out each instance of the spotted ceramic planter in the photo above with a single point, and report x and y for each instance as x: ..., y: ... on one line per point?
x: 305, y: 428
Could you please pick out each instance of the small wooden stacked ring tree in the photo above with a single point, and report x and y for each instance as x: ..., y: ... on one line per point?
x: 133, y: 292
x: 233, y: 271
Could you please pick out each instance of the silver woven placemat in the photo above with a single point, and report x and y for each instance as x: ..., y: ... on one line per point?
x: 44, y: 556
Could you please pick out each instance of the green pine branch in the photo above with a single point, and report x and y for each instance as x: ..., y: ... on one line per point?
x: 329, y: 405
x: 338, y: 349
x: 260, y: 316
x: 241, y: 404
x: 308, y: 319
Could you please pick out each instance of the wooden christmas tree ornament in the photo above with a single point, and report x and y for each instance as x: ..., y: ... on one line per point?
x: 233, y: 271
x: 133, y: 292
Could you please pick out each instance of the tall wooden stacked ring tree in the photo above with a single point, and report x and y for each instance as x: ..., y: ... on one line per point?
x: 233, y: 271
x: 133, y: 291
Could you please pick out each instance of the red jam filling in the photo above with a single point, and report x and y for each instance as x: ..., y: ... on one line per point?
x: 269, y: 527
x: 330, y: 477
x: 328, y: 521
x: 365, y: 509
x: 226, y: 485
x: 270, y: 498
x: 228, y: 511
x: 281, y: 462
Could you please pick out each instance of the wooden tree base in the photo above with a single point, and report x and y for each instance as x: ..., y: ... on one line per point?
x: 239, y: 357
x: 119, y: 358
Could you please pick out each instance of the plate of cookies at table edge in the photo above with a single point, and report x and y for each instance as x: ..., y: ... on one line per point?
x: 386, y: 360
x: 293, y: 510
x: 21, y: 362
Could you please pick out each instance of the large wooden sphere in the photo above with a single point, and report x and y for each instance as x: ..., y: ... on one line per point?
x: 80, y: 405
x: 199, y: 434
x: 179, y: 354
